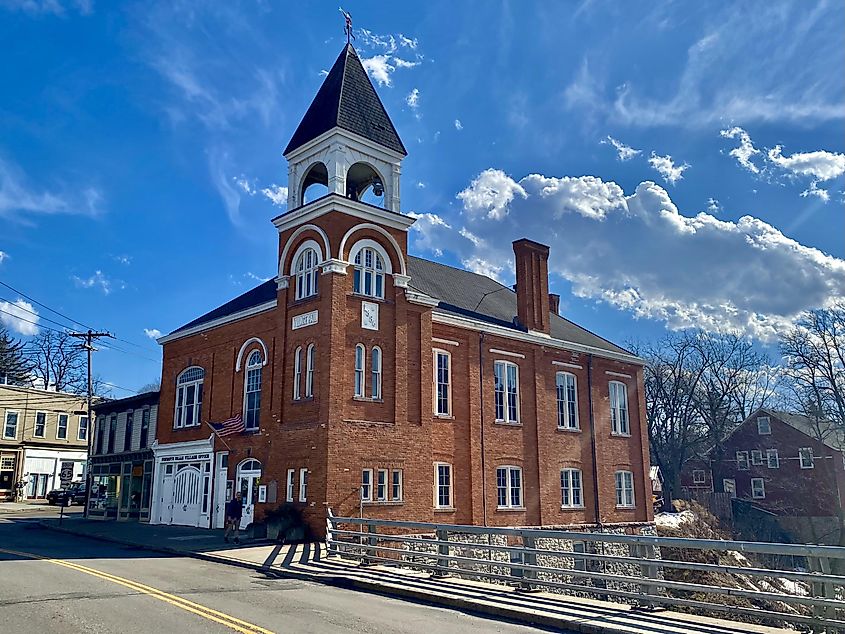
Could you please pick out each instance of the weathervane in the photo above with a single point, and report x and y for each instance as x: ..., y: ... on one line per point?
x: 348, y: 26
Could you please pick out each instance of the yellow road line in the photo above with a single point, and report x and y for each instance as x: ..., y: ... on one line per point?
x: 229, y: 621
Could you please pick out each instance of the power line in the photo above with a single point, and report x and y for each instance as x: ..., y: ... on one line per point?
x: 78, y: 323
x: 40, y: 317
x: 34, y: 323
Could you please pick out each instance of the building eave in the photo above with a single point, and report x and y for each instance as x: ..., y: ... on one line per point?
x: 335, y: 202
x: 214, y: 323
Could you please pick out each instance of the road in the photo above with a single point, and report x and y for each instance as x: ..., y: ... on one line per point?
x: 52, y: 582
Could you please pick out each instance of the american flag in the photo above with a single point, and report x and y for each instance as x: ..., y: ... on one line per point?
x: 234, y: 425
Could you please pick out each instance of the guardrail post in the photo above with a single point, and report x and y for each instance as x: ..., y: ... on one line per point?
x: 824, y: 590
x: 647, y: 571
x: 331, y: 544
x: 443, y: 550
x: 529, y: 558
x: 368, y: 556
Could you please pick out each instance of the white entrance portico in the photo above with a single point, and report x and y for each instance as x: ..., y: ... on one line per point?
x: 183, y: 483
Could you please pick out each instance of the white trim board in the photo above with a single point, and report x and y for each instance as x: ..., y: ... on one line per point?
x: 220, y: 321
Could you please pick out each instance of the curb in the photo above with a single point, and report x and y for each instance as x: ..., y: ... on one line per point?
x: 435, y: 598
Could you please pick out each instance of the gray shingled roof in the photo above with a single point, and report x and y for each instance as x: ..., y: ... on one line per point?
x: 823, y: 431
x: 459, y: 292
x: 465, y: 293
x: 348, y: 100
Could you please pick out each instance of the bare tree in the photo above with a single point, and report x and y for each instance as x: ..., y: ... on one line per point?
x: 58, y: 362
x: 152, y: 386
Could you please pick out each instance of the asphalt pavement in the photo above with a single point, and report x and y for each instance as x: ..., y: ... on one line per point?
x: 54, y: 582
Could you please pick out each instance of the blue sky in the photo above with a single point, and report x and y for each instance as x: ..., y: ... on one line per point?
x: 683, y: 160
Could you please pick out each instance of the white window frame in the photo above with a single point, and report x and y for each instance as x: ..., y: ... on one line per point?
x: 374, y: 272
x: 761, y: 489
x: 360, y: 370
x: 366, y: 485
x: 303, y: 484
x: 620, y: 421
x: 566, y: 386
x: 506, y: 412
x: 695, y: 476
x: 568, y: 488
x: 297, y: 373
x: 43, y: 433
x: 79, y: 428
x: 397, y: 492
x: 449, y: 486
x: 381, y: 485
x: 509, y: 488
x: 625, y: 495
x: 742, y: 461
x: 756, y: 457
x: 441, y: 384
x: 306, y: 271
x: 6, y: 423
x: 376, y: 363
x: 253, y: 375
x: 805, y: 452
x: 182, y: 386
x: 59, y: 425
x: 310, y: 351
x: 772, y: 459
x: 289, y: 484
x: 768, y: 426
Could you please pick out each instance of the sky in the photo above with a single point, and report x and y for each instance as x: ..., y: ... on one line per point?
x: 684, y: 161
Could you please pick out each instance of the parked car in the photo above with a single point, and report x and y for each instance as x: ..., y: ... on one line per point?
x: 72, y: 494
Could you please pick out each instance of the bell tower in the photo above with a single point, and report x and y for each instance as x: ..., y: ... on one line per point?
x: 346, y: 142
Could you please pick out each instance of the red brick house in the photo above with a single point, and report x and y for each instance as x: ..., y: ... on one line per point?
x: 373, y: 381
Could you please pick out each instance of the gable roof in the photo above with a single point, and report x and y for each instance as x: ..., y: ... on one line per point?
x: 348, y: 100
x: 458, y: 292
x: 480, y: 297
x: 824, y: 431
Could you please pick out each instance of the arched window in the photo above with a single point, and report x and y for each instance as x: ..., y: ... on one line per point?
x: 309, y: 371
x: 368, y: 278
x: 359, y: 370
x: 188, y: 397
x: 297, y: 373
x: 252, y: 390
x: 306, y: 269
x: 375, y: 370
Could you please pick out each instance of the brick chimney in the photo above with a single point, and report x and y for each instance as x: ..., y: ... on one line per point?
x: 554, y: 303
x: 532, y: 284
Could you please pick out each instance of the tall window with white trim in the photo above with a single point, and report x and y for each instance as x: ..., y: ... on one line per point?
x: 567, y: 400
x: 508, y: 487
x: 252, y: 390
x: 758, y: 488
x: 306, y: 269
x: 10, y: 428
x: 396, y: 485
x: 619, y: 423
x: 297, y: 373
x: 506, y: 377
x: 290, y: 481
x: 442, y: 383
x: 61, y: 427
x: 442, y: 485
x: 309, y: 370
x: 805, y: 457
x: 303, y: 485
x: 571, y: 493
x: 40, y: 424
x: 368, y: 278
x: 624, y: 489
x: 82, y: 429
x: 381, y: 485
x: 375, y: 371
x: 189, y: 397
x: 360, y: 355
x: 367, y: 485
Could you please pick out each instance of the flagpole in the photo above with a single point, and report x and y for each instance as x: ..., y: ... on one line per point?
x: 214, y: 431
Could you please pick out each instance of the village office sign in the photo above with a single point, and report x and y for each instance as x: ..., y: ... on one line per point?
x: 191, y: 457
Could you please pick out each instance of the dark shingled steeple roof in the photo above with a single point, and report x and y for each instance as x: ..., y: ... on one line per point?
x: 348, y: 100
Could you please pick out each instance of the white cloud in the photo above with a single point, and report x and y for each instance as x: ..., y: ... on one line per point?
x: 277, y: 194
x: 19, y: 201
x: 379, y: 68
x: 404, y: 63
x: 247, y: 186
x: 413, y: 99
x: 820, y: 165
x: 125, y: 260
x: 98, y: 280
x: 623, y: 152
x: 458, y: 125
x: 639, y: 253
x: 746, y: 148
x: 420, y: 185
x: 666, y: 167
x: 713, y: 206
x: 152, y: 333
x: 381, y: 63
x: 814, y: 190
x: 54, y: 7
x: 18, y: 317
x: 4, y: 256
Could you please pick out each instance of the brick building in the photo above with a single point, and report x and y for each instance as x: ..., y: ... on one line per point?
x: 369, y: 380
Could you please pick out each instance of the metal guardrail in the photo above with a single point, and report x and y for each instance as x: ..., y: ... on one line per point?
x: 630, y: 568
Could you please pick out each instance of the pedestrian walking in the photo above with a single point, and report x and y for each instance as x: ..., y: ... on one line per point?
x: 234, y: 512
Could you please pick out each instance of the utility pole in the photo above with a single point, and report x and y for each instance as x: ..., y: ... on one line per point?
x: 89, y: 337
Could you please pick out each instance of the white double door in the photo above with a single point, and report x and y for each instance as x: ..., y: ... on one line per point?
x: 248, y: 477
x: 182, y: 496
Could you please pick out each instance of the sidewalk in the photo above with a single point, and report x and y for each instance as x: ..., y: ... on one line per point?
x: 309, y: 562
x: 17, y: 507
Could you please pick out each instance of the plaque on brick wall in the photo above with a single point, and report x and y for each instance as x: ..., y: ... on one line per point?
x: 272, y: 492
x: 303, y: 320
